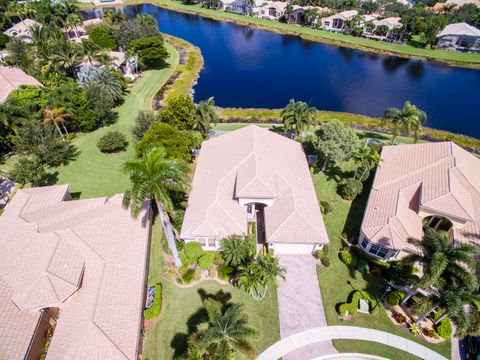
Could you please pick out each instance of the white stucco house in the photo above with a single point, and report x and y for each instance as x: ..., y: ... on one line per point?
x: 21, y: 29
x: 272, y: 10
x: 254, y: 175
x: 338, y: 21
x: 433, y: 185
x: 459, y: 36
x: 391, y: 24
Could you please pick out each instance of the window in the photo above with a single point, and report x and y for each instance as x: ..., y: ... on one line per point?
x: 327, y: 23
x: 382, y: 252
x: 364, y: 243
x: 379, y: 251
x: 211, y: 242
x: 202, y: 241
x: 374, y: 249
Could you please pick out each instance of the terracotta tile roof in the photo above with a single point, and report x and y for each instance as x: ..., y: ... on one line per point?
x: 11, y: 78
x: 253, y: 163
x: 86, y: 257
x: 440, y: 178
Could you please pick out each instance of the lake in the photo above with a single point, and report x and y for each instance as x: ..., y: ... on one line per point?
x: 246, y: 67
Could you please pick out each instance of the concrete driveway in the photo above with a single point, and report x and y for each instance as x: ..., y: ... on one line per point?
x: 300, y: 305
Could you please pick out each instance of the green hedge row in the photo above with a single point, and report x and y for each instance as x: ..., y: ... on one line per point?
x: 352, y: 306
x: 154, y: 311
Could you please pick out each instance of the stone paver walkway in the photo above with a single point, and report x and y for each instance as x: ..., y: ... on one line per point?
x: 300, y: 305
x: 320, y: 335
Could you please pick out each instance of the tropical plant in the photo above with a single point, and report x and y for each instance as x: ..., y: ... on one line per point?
x: 441, y: 258
x: 298, y: 116
x: 29, y: 170
x: 366, y: 159
x: 143, y: 121
x: 104, y: 77
x: 154, y: 178
x: 350, y: 188
x: 56, y: 116
x: 236, y: 250
x: 227, y: 334
x: 205, y: 115
x: 409, y: 120
x: 113, y: 141
x: 414, y: 329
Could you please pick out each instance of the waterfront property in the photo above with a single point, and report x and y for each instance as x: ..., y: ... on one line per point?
x: 11, y: 78
x: 272, y: 10
x: 384, y: 29
x: 459, y: 36
x: 435, y: 185
x: 72, y: 276
x: 253, y: 175
x: 21, y: 29
x: 338, y: 22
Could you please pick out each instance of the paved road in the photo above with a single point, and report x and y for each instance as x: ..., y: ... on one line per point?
x: 320, y: 335
x: 300, y: 305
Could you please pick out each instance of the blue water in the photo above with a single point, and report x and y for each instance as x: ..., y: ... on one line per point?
x: 246, y: 67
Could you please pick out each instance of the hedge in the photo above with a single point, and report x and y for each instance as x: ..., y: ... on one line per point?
x: 193, y: 250
x: 347, y: 258
x: 352, y: 306
x: 156, y: 308
x: 394, y: 297
x: 443, y: 328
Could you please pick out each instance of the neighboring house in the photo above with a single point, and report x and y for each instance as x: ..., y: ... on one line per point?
x: 241, y: 7
x: 224, y: 3
x: 11, y: 78
x: 390, y: 24
x: 21, y: 29
x: 460, y: 3
x: 128, y: 67
x: 296, y: 16
x: 74, y: 270
x: 338, y: 22
x: 272, y: 10
x: 459, y: 36
x: 254, y: 175
x: 435, y: 185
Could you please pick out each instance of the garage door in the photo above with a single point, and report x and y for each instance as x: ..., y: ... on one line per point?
x: 293, y: 248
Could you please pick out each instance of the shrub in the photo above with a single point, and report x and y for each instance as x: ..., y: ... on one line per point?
x: 347, y: 258
x: 206, y: 260
x: 325, y: 261
x: 154, y: 310
x: 143, y: 121
x: 443, y: 328
x: 362, y: 266
x: 112, y: 141
x: 399, y: 318
x: 187, y: 276
x: 326, y: 207
x: 394, y: 297
x: 225, y: 272
x: 101, y: 37
x: 212, y: 272
x: 414, y: 329
x: 198, y: 274
x: 352, y: 306
x: 150, y: 50
x: 322, y: 255
x: 193, y: 250
x: 4, y: 39
x: 429, y: 332
x: 350, y: 188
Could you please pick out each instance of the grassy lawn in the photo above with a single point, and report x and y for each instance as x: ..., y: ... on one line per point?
x: 453, y: 58
x: 94, y: 173
x: 166, y: 339
x: 338, y: 281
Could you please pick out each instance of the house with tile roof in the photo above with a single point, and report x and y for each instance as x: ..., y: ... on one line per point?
x: 338, y: 22
x: 72, y: 276
x: 11, y: 78
x: 435, y: 185
x: 254, y: 175
x: 459, y: 36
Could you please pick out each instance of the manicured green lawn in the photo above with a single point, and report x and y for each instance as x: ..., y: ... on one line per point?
x: 94, y: 173
x: 338, y: 281
x: 457, y: 58
x: 181, y: 315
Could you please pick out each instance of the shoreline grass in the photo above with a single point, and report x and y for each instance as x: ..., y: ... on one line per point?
x: 459, y: 59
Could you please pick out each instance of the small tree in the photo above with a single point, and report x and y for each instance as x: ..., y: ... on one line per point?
x: 29, y: 170
x: 179, y: 113
x: 151, y: 51
x: 112, y: 141
x: 143, y: 122
x: 298, y: 115
x: 205, y: 115
x: 409, y: 119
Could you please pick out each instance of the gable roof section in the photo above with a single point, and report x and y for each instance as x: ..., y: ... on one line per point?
x: 253, y: 163
x: 462, y: 29
x: 441, y: 178
x: 11, y: 78
x: 86, y: 257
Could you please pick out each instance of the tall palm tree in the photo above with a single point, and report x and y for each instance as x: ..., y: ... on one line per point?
x: 56, y: 116
x: 440, y: 257
x: 409, y: 119
x: 72, y: 22
x: 154, y: 178
x: 67, y: 54
x: 92, y: 52
x: 205, y: 115
x: 310, y: 15
x: 298, y: 115
x: 235, y: 250
x: 109, y: 80
x: 366, y: 159
x: 228, y: 333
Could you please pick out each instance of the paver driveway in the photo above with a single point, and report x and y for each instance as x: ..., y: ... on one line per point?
x: 300, y: 305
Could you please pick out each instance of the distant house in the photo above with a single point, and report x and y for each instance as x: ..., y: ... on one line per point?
x: 272, y: 10
x: 338, y: 21
x: 390, y: 26
x: 11, y: 78
x: 460, y: 3
x: 459, y: 36
x: 434, y: 185
x: 241, y: 7
x: 296, y: 16
x: 72, y: 276
x: 253, y: 175
x: 21, y: 29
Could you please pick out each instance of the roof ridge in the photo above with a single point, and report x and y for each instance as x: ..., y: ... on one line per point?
x: 108, y: 337
x: 87, y: 244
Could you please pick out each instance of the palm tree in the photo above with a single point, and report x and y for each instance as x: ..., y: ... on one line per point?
x: 109, y: 80
x: 366, y: 159
x: 310, y: 15
x: 298, y: 115
x: 93, y: 52
x: 228, y: 333
x: 409, y: 119
x: 66, y: 54
x: 205, y: 115
x: 56, y: 116
x: 235, y: 250
x: 72, y: 22
x: 440, y: 258
x: 154, y: 178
